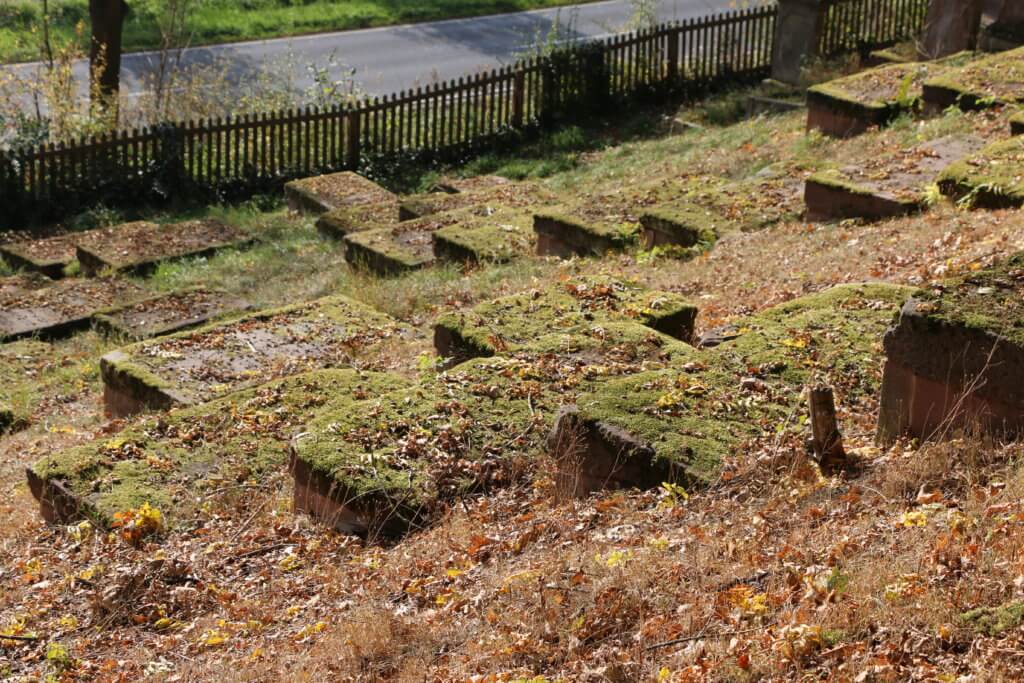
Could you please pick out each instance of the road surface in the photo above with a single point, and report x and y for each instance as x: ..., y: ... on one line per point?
x: 394, y: 58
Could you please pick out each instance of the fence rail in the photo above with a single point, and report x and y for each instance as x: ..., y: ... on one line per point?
x: 236, y: 156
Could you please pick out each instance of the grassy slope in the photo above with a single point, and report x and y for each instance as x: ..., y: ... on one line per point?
x: 788, y: 563
x: 218, y: 21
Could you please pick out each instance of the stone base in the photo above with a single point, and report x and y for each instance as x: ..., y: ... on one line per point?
x: 593, y: 456
x: 843, y: 121
x: 826, y: 201
x: 57, y: 505
x: 565, y: 238
x: 51, y: 269
x: 322, y: 498
x: 938, y: 99
x: 915, y: 405
x: 126, y: 394
x: 361, y: 252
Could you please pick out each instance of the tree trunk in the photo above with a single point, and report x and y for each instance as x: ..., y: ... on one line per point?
x: 107, y: 18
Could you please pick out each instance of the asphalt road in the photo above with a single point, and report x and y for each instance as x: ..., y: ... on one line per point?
x: 395, y: 58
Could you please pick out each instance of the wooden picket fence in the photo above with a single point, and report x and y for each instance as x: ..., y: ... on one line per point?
x: 239, y: 156
x: 864, y: 25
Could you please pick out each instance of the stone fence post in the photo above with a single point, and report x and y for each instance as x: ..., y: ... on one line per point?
x: 798, y: 32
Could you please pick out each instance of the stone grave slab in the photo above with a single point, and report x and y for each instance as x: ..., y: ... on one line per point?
x: 410, y: 245
x: 49, y: 256
x: 983, y: 83
x: 323, y: 193
x: 517, y: 322
x: 955, y: 358
x: 684, y: 224
x: 199, y: 365
x: 140, y: 247
x: 506, y: 193
x: 174, y: 461
x: 167, y: 313
x: 1017, y: 124
x: 991, y: 178
x: 453, y: 185
x: 501, y: 238
x: 677, y: 424
x: 887, y: 186
x: 582, y: 230
x: 849, y: 106
x: 35, y: 306
x: 470, y: 429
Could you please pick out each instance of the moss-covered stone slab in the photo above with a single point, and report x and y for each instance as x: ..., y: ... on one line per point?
x: 344, y: 190
x: 196, y: 366
x: 955, y: 357
x: 684, y: 224
x: 502, y: 238
x: 677, y: 424
x: 453, y: 185
x: 995, y: 621
x: 49, y: 256
x: 36, y: 306
x: 21, y: 365
x: 992, y: 178
x: 393, y: 464
x: 177, y: 460
x: 498, y: 192
x: 887, y: 186
x: 1017, y: 124
x: 580, y: 231
x: 140, y: 247
x: 980, y: 84
x: 522, y: 321
x: 849, y: 106
x: 167, y: 313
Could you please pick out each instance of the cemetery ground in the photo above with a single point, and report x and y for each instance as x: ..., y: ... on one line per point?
x: 904, y: 565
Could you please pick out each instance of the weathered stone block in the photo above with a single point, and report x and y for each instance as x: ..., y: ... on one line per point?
x: 955, y: 358
x: 1017, y: 124
x: 564, y: 234
x: 526, y: 321
x: 677, y: 424
x: 1002, y: 25
x: 173, y: 461
x: 197, y: 366
x: 167, y: 313
x: 798, y: 32
x: 141, y: 247
x: 49, y: 256
x: 857, y: 192
x: 996, y: 80
x: 344, y: 190
x: 35, y: 306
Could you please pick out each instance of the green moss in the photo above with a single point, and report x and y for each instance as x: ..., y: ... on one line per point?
x: 990, y: 300
x: 517, y: 322
x: 991, y: 178
x: 337, y: 223
x: 994, y: 621
x: 172, y: 460
x: 692, y: 415
x: 218, y: 358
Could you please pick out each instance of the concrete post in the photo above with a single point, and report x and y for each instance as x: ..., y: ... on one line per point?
x: 797, y: 37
